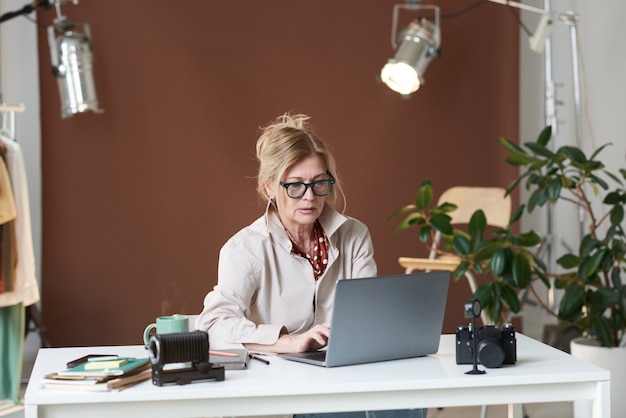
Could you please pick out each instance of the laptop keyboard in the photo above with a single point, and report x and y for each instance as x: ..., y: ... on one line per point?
x: 317, y: 355
x: 310, y: 355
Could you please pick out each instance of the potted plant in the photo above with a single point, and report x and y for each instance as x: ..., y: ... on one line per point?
x: 594, y: 294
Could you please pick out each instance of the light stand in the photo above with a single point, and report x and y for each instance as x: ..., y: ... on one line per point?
x: 570, y: 19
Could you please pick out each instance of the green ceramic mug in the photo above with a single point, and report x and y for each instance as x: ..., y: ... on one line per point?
x: 166, y: 325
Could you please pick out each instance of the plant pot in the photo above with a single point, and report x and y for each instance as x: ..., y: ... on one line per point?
x: 610, y: 358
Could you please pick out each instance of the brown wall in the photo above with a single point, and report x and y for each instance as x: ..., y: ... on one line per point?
x: 137, y: 201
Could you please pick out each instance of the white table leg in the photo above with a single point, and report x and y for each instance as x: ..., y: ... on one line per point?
x: 515, y: 410
x: 602, y: 402
x: 30, y: 411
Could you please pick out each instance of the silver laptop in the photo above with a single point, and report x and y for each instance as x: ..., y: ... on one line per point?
x: 383, y: 318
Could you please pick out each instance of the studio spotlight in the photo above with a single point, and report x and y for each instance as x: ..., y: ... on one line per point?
x: 70, y: 53
x: 419, y: 44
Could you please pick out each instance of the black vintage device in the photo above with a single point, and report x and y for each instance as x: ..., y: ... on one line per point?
x: 494, y: 346
x: 182, y: 357
x: 486, y: 345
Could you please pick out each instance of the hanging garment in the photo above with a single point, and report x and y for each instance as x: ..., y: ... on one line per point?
x: 12, y: 348
x: 17, y: 236
x: 26, y: 288
x: 8, y: 211
x: 8, y: 257
x: 8, y: 251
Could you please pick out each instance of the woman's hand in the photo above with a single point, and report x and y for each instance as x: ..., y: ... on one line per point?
x: 311, y: 340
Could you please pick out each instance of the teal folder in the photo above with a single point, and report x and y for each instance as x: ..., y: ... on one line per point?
x: 133, y: 364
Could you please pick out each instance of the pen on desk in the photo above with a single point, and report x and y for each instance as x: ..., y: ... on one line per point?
x: 223, y: 353
x: 255, y: 357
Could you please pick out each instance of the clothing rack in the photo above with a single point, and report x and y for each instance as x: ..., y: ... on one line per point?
x: 32, y: 320
x: 11, y: 111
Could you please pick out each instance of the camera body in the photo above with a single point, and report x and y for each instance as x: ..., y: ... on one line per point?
x: 494, y: 346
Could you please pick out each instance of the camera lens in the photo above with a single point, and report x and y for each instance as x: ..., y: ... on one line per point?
x: 154, y: 350
x: 490, y: 353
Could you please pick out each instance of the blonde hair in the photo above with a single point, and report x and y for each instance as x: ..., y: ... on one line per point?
x: 285, y: 142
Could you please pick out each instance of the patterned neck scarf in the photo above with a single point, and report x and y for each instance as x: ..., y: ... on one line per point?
x: 319, y: 261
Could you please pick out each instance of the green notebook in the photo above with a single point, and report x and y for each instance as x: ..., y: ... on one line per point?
x: 133, y: 364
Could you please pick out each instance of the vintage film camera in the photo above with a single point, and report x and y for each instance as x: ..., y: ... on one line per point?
x: 487, y: 345
x: 181, y: 358
x: 494, y: 346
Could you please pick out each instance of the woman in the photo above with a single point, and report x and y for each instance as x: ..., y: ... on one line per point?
x: 277, y: 276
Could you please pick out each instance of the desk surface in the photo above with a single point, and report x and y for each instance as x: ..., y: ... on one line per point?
x: 541, y: 374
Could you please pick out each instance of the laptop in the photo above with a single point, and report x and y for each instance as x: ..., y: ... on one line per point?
x: 383, y: 318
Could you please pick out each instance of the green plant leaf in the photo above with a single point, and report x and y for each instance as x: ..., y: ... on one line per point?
x: 517, y: 214
x: 572, y: 302
x: 568, y: 261
x: 616, y: 278
x: 539, y: 149
x: 537, y: 198
x: 483, y: 294
x: 596, y: 152
x: 445, y: 208
x: 494, y: 310
x: 461, y: 245
x: 544, y: 279
x: 594, y: 165
x: 538, y: 263
x: 477, y: 223
x: 425, y: 233
x: 424, y: 195
x: 545, y: 135
x: 498, y: 262
x: 515, y: 183
x: 617, y: 215
x: 605, y: 298
x: 589, y: 265
x: 612, y: 198
x: 529, y: 239
x: 617, y: 319
x: 401, y: 211
x: 486, y: 250
x: 512, y: 147
x: 489, y: 296
x: 521, y: 270
x: 519, y: 160
x: 410, y: 220
x: 441, y: 223
x: 597, y: 180
x: 614, y: 177
x: 587, y: 245
x: 602, y: 330
x: 509, y: 296
x: 554, y: 189
x: 461, y: 269
x: 574, y: 154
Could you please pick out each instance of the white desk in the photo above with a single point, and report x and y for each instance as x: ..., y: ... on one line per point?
x: 542, y: 374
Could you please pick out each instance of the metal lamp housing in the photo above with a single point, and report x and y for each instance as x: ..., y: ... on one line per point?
x: 420, y: 44
x: 70, y: 51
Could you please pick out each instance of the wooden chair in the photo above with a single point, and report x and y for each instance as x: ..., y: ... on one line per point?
x: 497, y: 209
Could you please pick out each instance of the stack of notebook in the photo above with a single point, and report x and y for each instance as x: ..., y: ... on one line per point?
x: 101, y: 373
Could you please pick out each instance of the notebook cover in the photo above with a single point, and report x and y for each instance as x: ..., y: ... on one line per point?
x: 133, y: 363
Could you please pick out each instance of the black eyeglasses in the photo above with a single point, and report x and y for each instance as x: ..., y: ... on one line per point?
x: 320, y: 188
